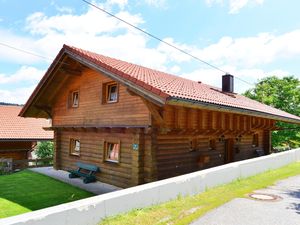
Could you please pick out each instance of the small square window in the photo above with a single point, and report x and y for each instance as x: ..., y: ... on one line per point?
x: 110, y: 92
x: 75, y: 99
x: 112, y: 151
x: 74, y: 146
x: 212, y: 144
x: 193, y: 144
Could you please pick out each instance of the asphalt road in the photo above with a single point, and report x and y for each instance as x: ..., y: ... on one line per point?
x: 247, y: 211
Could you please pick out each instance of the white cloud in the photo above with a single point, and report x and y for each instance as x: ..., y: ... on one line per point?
x: 172, y: 53
x: 251, y: 76
x: 109, y: 36
x: 157, y: 3
x: 19, y: 96
x: 25, y: 73
x: 120, y: 3
x: 252, y: 51
x: 235, y: 5
x: 20, y: 42
x: 25, y: 78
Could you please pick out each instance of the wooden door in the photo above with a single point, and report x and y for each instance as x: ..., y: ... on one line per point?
x: 228, y: 151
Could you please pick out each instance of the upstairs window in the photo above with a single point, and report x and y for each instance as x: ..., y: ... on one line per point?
x: 112, y: 151
x: 75, y: 99
x: 110, y: 94
x: 74, y: 146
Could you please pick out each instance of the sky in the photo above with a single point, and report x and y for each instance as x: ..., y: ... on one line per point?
x: 250, y: 39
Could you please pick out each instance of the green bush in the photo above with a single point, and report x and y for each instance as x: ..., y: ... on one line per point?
x: 45, y: 149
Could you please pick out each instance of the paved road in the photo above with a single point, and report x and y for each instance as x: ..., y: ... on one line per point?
x: 245, y: 211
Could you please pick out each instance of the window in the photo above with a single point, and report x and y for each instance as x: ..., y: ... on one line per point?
x: 112, y: 151
x: 255, y: 140
x: 212, y: 144
x: 193, y: 144
x: 110, y: 92
x: 75, y: 99
x: 74, y: 146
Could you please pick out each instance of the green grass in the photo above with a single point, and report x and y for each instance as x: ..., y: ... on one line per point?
x: 184, y: 210
x: 27, y: 191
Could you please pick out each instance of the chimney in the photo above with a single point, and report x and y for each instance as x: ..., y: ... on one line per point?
x: 227, y: 83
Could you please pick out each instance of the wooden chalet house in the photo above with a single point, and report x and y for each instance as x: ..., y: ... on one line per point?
x: 140, y: 125
x: 18, y: 136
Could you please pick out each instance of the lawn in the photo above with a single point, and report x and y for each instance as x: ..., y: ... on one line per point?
x: 184, y: 210
x: 27, y: 191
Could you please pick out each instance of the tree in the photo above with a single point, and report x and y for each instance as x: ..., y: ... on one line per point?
x: 282, y: 94
x: 45, y: 149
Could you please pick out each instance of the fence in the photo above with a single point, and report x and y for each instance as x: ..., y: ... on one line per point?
x: 30, y: 163
x: 9, y: 165
x: 92, y: 210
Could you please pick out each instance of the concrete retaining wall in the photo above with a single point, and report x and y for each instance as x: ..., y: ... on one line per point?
x: 92, y: 210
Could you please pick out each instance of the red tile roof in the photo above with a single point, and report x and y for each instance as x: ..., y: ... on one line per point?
x: 169, y: 86
x: 15, y: 127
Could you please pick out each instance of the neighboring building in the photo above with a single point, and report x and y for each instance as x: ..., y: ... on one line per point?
x: 140, y: 125
x: 19, y: 135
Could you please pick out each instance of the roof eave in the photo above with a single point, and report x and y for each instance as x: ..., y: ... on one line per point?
x: 41, y: 84
x: 223, y: 108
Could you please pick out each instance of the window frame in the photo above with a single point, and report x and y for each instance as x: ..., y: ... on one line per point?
x: 105, y: 151
x: 72, y: 146
x: 212, y: 144
x: 71, y: 104
x: 106, y: 93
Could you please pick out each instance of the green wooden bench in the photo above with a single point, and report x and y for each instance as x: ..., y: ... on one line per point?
x: 87, y: 171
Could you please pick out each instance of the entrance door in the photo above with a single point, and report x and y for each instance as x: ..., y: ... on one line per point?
x: 228, y: 151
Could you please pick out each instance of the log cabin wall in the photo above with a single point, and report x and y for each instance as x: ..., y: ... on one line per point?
x: 193, y: 139
x: 15, y: 149
x: 92, y: 151
x: 149, y: 158
x: 136, y: 166
x: 129, y: 110
x: 179, y: 141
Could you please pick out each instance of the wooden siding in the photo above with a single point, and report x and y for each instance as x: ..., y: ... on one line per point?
x: 182, y: 142
x: 177, y: 141
x: 129, y: 110
x: 175, y: 155
x: 15, y: 149
x: 91, y: 151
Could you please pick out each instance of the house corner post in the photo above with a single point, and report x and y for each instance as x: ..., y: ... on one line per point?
x: 267, y: 142
x: 56, y: 155
x: 137, y: 149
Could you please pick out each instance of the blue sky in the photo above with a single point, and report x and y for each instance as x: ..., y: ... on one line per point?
x: 250, y: 39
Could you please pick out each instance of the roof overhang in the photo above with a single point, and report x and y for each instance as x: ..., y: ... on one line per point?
x: 223, y: 108
x: 133, y: 86
x: 35, y: 94
x: 156, y: 99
